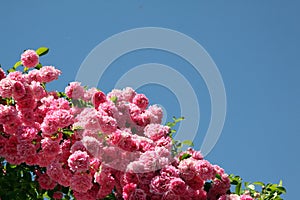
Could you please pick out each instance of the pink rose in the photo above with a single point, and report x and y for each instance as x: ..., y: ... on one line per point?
x: 156, y: 131
x: 141, y: 101
x: 204, y: 169
x: 81, y: 182
x: 79, y: 161
x: 46, y: 182
x: 57, y: 195
x: 2, y: 74
x: 30, y: 58
x: 6, y: 88
x: 74, y: 90
x: 48, y: 74
x: 98, y: 98
x: 177, y: 186
x: 245, y: 197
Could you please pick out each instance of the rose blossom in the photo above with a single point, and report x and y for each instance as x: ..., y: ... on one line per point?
x: 79, y: 161
x: 98, y: 98
x: 81, y: 182
x: 49, y: 126
x: 170, y: 196
x: 26, y: 149
x: 74, y: 90
x: 50, y: 148
x: 8, y: 114
x: 17, y: 76
x: 78, y: 145
x: 30, y: 58
x: 38, y: 91
x: 156, y: 114
x: 245, y: 197
x: 48, y: 74
x: 12, y: 127
x: 156, y: 131
x: 57, y: 195
x: 138, y: 116
x: 106, y: 182
x: 127, y: 94
x: 141, y: 101
x: 108, y: 124
x: 89, y: 195
x: 128, y: 190
x: 92, y: 145
x: 55, y: 171
x: 159, y: 185
x: 229, y: 197
x: 18, y: 90
x: 2, y: 74
x: 6, y: 86
x: 177, y: 185
x: 46, y: 182
x: 204, y: 169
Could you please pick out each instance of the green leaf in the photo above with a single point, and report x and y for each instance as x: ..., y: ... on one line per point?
x: 114, y: 99
x: 11, y: 70
x: 188, y: 143
x: 207, y: 186
x: 75, y: 128
x: 258, y: 183
x: 238, y: 188
x: 281, y: 189
x: 280, y: 183
x: 42, y: 51
x: 39, y: 66
x: 61, y: 94
x: 235, y: 180
x: 17, y: 64
x: 185, y: 156
x: 175, y: 121
x: 13, y: 166
x: 68, y: 132
x: 218, y: 176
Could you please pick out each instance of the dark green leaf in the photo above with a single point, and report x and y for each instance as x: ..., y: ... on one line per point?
x: 281, y: 189
x: 207, y: 186
x: 39, y: 66
x: 185, y: 156
x: 238, y: 188
x: 218, y: 176
x: 61, y: 94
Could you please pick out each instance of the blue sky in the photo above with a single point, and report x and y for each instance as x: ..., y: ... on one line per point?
x: 255, y: 45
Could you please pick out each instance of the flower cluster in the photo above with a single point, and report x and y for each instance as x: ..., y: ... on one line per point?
x: 98, y: 144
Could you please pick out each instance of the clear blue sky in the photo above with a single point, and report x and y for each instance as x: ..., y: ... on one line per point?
x: 255, y: 45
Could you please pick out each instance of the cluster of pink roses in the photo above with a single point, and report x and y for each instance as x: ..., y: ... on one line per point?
x: 97, y: 144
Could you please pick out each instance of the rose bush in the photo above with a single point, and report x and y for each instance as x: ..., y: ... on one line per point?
x: 85, y: 144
